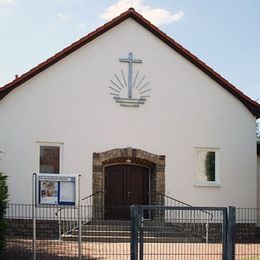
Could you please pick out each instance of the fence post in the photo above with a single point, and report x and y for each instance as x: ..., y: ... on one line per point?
x: 207, y: 232
x: 231, y: 233
x: 59, y: 223
x: 224, y: 235
x: 134, y: 232
x: 79, y: 221
x: 34, y: 215
x: 141, y: 235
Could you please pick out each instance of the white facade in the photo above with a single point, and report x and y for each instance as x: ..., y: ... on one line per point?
x: 69, y: 104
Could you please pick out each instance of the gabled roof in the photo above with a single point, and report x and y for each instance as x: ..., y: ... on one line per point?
x: 251, y: 105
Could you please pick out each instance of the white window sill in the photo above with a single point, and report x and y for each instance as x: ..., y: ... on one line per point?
x: 207, y: 184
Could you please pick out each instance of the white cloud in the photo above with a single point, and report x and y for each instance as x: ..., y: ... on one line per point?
x: 5, y: 7
x: 156, y: 16
x: 64, y: 17
x: 7, y: 2
x: 68, y: 1
x: 82, y: 25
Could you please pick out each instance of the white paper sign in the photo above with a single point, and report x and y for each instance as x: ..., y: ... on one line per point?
x: 67, y: 191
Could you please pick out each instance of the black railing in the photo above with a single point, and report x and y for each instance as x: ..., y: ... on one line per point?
x: 201, y: 228
x: 158, y: 239
x: 69, y: 222
x: 170, y: 201
x: 171, y: 236
x: 90, y: 197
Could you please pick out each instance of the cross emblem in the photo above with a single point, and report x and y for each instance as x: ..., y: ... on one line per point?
x: 132, y: 92
x: 130, y: 60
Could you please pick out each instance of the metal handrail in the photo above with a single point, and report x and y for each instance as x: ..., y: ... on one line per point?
x: 100, y: 191
x: 184, y: 203
x: 188, y: 205
x: 75, y: 226
x: 59, y: 209
x: 93, y: 194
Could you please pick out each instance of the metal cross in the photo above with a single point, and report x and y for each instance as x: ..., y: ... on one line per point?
x: 130, y: 62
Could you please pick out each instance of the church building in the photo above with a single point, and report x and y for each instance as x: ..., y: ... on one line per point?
x: 136, y: 115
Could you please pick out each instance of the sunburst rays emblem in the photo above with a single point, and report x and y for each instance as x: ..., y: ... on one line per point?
x: 132, y: 92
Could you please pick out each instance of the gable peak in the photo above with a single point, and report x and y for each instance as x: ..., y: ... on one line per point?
x: 252, y: 105
x: 131, y: 9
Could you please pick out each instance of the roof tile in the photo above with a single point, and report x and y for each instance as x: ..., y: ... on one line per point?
x: 251, y: 105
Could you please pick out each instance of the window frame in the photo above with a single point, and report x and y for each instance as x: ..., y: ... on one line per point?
x: 46, y: 143
x: 200, y: 183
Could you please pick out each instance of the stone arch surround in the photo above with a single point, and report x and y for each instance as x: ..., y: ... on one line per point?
x: 128, y: 155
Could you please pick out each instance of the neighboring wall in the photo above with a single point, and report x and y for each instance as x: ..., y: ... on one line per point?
x: 70, y: 103
x: 258, y: 181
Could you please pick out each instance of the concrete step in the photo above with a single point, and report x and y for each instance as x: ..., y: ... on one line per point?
x: 127, y: 233
x: 90, y: 233
x: 120, y: 231
x: 105, y: 227
x: 124, y: 239
x: 126, y: 229
x: 109, y: 222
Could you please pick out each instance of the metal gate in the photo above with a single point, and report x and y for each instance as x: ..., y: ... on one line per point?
x: 182, y: 233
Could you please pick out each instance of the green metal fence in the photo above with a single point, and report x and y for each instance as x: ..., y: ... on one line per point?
x: 153, y: 232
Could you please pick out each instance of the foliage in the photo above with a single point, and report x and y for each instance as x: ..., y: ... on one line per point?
x: 3, y: 206
x: 258, y: 129
x: 210, y: 166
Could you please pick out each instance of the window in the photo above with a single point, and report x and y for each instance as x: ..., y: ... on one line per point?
x: 50, y: 158
x: 207, y: 166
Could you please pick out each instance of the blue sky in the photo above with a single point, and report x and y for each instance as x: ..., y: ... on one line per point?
x: 224, y: 34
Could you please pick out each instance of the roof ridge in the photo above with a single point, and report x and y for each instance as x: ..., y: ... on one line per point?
x: 251, y: 105
x: 191, y: 54
x: 57, y: 54
x: 201, y: 62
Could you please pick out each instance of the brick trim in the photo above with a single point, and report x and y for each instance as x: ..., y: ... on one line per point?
x: 156, y: 163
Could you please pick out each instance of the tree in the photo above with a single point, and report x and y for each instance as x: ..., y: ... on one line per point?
x: 258, y: 129
x: 3, y: 206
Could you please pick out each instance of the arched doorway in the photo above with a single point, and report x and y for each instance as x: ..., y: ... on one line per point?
x: 125, y: 185
x: 131, y: 157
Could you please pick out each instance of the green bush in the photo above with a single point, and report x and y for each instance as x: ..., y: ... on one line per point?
x: 3, y: 206
x: 210, y: 166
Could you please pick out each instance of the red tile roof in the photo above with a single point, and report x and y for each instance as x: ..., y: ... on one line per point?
x: 251, y: 105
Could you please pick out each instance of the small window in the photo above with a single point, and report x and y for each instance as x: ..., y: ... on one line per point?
x: 50, y: 158
x: 207, y: 166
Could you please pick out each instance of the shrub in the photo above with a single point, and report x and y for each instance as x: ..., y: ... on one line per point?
x: 210, y: 166
x: 3, y: 206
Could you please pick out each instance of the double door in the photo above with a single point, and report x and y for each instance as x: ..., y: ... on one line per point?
x: 125, y: 185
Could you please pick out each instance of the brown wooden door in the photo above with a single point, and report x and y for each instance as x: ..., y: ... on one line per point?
x: 125, y: 185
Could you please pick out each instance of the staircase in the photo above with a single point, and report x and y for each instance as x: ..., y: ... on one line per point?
x: 168, y: 229
x: 114, y: 231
